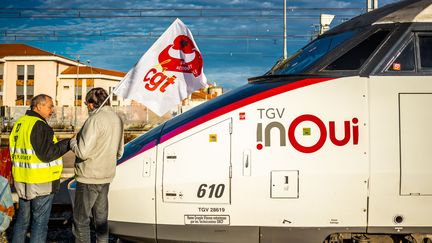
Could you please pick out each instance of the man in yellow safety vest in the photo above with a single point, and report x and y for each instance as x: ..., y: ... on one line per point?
x: 36, y: 168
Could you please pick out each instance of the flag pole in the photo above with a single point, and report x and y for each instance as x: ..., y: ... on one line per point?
x: 110, y: 94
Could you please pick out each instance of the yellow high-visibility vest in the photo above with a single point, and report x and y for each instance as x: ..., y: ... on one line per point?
x: 26, y: 166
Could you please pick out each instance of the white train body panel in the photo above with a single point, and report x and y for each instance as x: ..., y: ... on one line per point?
x: 137, y: 190
x: 400, y: 135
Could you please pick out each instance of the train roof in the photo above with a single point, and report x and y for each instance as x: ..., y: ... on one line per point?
x: 417, y: 12
x: 408, y: 11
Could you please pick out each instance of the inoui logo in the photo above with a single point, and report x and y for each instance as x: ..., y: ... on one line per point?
x: 326, y: 131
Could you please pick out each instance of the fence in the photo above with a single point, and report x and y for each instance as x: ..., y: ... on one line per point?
x: 71, y: 119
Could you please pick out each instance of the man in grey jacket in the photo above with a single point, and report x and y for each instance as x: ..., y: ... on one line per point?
x: 97, y: 147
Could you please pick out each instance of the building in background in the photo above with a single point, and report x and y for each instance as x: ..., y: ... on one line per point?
x: 75, y: 81
x: 26, y: 71
x: 200, y: 96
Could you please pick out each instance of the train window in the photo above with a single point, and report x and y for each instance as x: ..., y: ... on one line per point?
x: 311, y: 53
x: 405, y: 60
x: 354, y: 58
x: 425, y: 44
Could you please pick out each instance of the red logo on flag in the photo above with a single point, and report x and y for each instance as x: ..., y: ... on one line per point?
x: 181, y: 56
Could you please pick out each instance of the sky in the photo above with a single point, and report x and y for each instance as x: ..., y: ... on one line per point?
x: 238, y: 39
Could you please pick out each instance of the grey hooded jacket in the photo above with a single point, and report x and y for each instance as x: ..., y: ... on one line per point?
x: 97, y: 147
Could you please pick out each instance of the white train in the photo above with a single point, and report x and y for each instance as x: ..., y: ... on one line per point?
x: 332, y: 145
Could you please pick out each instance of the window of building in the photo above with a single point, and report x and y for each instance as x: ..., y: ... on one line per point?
x: 357, y: 56
x: 114, y: 97
x: 29, y: 92
x: 1, y: 70
x: 405, y: 61
x: 1, y: 91
x: 19, y: 94
x: 30, y: 83
x: 90, y: 84
x: 78, y: 92
x: 25, y: 84
x: 20, y: 72
x: 20, y: 85
x: 425, y: 47
x: 30, y: 72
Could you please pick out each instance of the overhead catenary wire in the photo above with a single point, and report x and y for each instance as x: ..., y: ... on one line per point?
x: 35, y: 13
x: 34, y: 34
x: 47, y: 35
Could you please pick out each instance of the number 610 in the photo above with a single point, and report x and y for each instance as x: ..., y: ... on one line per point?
x: 213, y: 189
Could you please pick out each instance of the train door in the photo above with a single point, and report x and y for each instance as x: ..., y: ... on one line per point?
x: 401, y: 139
x: 195, y: 181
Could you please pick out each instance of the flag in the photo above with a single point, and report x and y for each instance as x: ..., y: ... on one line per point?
x: 167, y: 73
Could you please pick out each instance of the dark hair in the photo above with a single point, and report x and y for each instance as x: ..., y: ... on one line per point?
x: 97, y: 96
x: 38, y: 99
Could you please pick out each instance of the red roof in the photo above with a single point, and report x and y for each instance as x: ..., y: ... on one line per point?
x: 21, y: 50
x: 26, y: 50
x: 92, y: 70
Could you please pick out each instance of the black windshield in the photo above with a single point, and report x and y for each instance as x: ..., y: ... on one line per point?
x: 305, y: 57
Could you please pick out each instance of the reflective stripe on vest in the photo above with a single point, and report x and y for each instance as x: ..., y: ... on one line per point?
x: 37, y: 165
x: 21, y: 151
x: 26, y: 166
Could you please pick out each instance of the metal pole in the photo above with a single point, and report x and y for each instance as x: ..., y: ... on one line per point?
x: 91, y: 70
x: 76, y: 95
x: 8, y: 118
x: 63, y: 118
x: 375, y: 6
x: 285, y: 52
x: 91, y: 76
x: 371, y: 5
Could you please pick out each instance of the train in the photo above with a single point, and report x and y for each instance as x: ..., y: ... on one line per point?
x: 333, y: 144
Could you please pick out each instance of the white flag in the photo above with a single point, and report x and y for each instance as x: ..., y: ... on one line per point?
x: 167, y: 73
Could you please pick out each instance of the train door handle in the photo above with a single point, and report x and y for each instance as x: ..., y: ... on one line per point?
x: 247, y: 165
